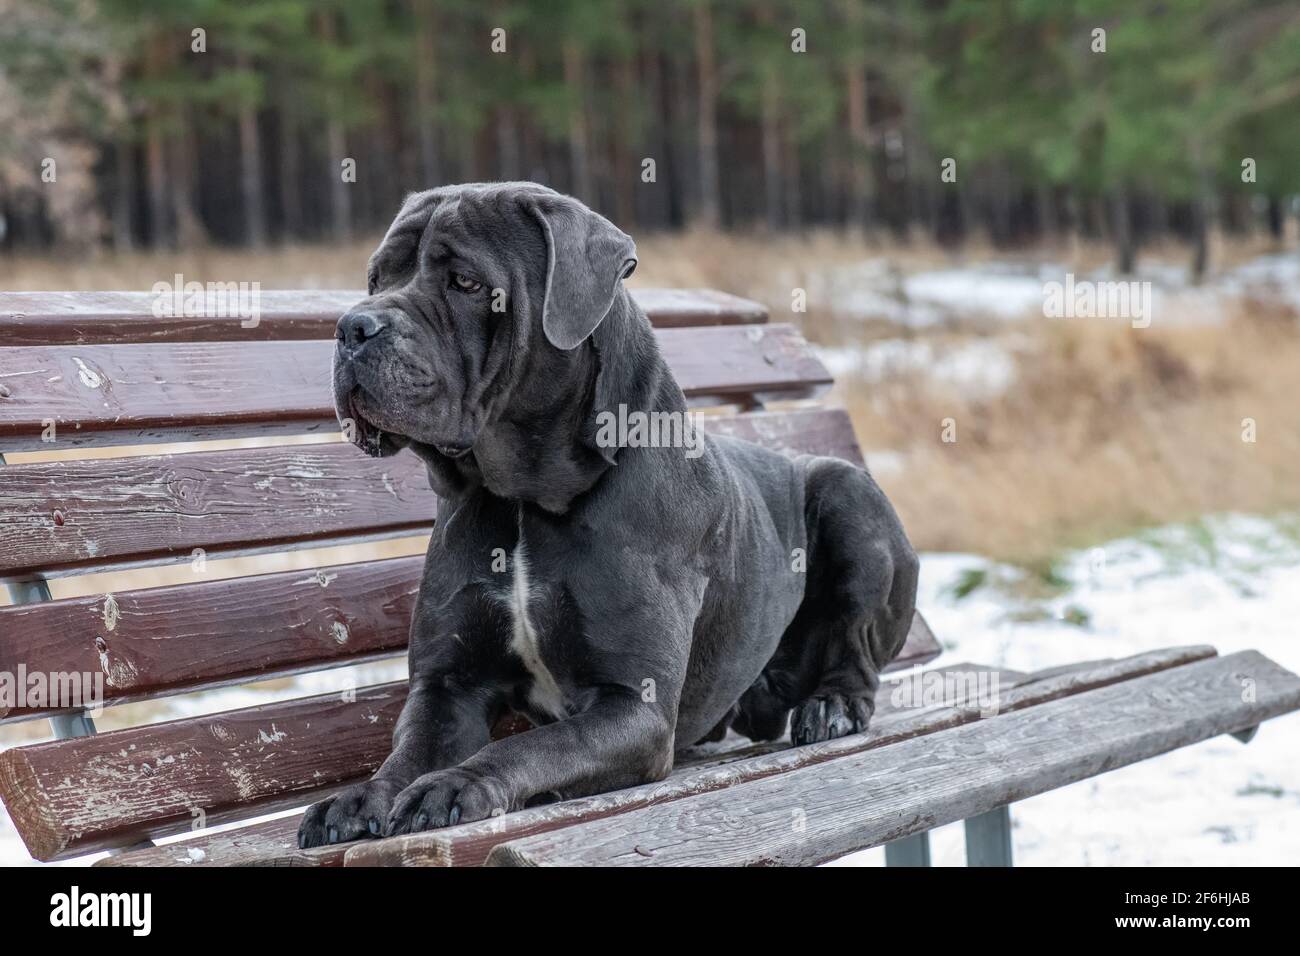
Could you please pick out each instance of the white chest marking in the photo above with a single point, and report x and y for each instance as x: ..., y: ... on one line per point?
x: 545, y: 694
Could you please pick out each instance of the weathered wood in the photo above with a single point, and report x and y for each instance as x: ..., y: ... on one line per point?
x: 67, y: 517
x: 118, y: 318
x: 73, y: 796
x: 269, y: 843
x: 818, y: 431
x: 896, y: 720
x: 232, y: 765
x: 195, y: 636
x: 274, y: 842
x: 821, y: 812
x: 141, y: 394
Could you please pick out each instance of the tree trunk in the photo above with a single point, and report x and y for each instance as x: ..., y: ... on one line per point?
x: 709, y: 212
x: 1202, y: 211
x: 161, y: 232
x: 859, y: 146
x: 290, y: 169
x: 250, y: 168
x: 579, y: 147
x: 336, y: 152
x: 123, y: 193
x: 340, y: 191
x: 426, y: 92
x: 656, y: 209
x: 771, y: 136
x: 509, y: 165
x: 790, y: 174
x: 1276, y: 221
x: 627, y: 165
x: 1122, y: 231
x: 190, y: 232
x: 1045, y: 207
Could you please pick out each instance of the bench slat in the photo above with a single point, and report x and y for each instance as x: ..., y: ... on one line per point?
x: 117, y: 318
x: 233, y: 765
x: 185, y: 637
x: 67, y: 517
x: 142, y: 394
x: 74, y: 796
x: 868, y: 799
x: 274, y: 843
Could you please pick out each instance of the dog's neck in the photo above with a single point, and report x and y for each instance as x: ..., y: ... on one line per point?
x: 543, y: 448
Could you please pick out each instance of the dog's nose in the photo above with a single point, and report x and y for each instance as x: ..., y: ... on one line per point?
x: 356, y: 328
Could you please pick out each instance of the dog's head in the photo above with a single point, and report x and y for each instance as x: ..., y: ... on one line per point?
x: 468, y: 290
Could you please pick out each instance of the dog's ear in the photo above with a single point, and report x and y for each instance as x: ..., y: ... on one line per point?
x: 587, y: 256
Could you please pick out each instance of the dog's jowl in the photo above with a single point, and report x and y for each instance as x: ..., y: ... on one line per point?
x: 629, y: 598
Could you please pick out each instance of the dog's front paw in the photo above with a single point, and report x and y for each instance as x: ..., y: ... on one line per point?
x: 445, y: 798
x: 358, y: 811
x: 829, y: 716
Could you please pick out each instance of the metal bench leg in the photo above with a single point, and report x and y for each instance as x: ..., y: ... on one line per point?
x: 988, y: 838
x: 909, y: 851
x: 72, y: 725
x: 63, y: 725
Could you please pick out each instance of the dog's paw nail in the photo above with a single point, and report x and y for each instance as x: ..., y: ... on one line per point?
x: 334, y: 835
x: 455, y: 815
x: 373, y: 826
x: 421, y: 820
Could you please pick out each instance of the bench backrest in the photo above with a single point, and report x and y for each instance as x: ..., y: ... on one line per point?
x: 99, y: 369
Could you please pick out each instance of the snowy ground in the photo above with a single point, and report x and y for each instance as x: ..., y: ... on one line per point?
x: 1001, y: 297
x: 1232, y: 581
x: 874, y: 289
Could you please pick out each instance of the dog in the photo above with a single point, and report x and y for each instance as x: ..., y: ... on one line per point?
x: 630, y: 601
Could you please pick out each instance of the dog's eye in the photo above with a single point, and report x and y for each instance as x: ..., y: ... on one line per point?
x: 465, y: 283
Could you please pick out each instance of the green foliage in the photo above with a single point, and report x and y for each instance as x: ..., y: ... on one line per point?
x: 1183, y: 92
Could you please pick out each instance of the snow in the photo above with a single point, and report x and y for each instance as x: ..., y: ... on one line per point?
x: 977, y: 368
x: 1232, y: 581
x: 1008, y: 292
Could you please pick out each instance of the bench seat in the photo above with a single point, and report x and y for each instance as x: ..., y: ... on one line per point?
x: 868, y: 796
x: 731, y: 802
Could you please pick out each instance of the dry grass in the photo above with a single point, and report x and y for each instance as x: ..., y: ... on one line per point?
x: 286, y: 267
x: 1107, y: 428
x: 749, y: 264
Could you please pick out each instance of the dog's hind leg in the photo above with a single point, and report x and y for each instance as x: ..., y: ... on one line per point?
x: 855, y: 615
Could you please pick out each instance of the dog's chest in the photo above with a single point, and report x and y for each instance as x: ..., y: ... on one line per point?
x: 520, y: 597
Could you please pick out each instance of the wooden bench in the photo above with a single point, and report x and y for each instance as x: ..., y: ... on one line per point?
x: 99, y: 369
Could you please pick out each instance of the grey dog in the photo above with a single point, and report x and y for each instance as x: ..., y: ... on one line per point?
x: 630, y: 601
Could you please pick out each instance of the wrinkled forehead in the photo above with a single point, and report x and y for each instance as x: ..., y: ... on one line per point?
x: 469, y: 221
